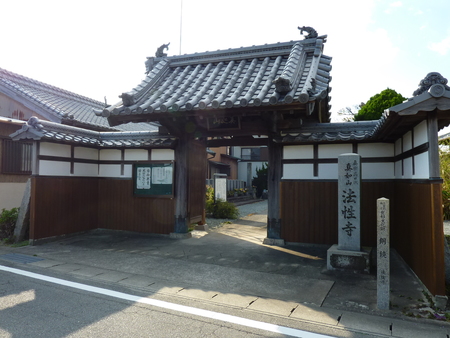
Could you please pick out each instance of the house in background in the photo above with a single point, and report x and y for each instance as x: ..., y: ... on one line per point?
x: 20, y: 99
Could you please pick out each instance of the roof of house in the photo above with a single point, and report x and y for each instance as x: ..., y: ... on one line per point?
x: 59, y: 105
x: 36, y: 129
x: 289, y: 74
x: 53, y: 103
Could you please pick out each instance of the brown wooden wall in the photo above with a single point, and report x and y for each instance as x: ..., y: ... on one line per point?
x: 309, y: 214
x: 417, y: 232
x: 62, y: 206
x: 309, y: 211
x: 68, y: 205
x: 118, y: 209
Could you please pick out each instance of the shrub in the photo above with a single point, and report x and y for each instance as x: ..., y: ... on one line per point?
x: 220, y: 209
x: 8, y: 220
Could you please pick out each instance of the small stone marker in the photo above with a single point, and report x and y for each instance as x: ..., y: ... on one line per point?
x: 383, y: 254
x: 349, y: 202
x: 220, y: 187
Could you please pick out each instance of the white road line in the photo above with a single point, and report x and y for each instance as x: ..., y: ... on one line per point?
x: 166, y: 305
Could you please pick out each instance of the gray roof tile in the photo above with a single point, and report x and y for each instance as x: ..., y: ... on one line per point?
x: 57, y: 104
x: 281, y: 74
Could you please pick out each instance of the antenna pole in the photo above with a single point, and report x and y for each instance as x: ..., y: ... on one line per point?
x: 181, y: 22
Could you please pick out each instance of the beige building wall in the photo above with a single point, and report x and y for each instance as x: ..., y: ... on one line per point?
x: 11, y: 195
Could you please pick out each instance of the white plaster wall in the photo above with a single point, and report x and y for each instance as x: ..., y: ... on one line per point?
x: 421, y: 165
x: 110, y: 154
x: 54, y: 149
x: 86, y: 153
x: 298, y: 152
x: 136, y: 155
x: 242, y: 169
x: 334, y: 150
x: 421, y: 134
x: 407, y: 141
x: 328, y: 171
x: 128, y: 170
x: 376, y: 149
x: 109, y: 170
x: 11, y: 195
x: 85, y: 169
x: 407, y: 165
x: 298, y: 171
x: 162, y: 155
x: 377, y: 170
x: 398, y: 169
x: 398, y: 147
x: 54, y: 168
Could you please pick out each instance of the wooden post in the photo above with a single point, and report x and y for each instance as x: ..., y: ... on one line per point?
x: 181, y: 187
x: 273, y: 212
x: 433, y: 150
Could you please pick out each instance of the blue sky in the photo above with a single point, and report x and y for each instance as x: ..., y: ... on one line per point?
x: 98, y: 48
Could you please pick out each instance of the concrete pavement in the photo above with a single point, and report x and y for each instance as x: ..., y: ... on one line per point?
x: 230, y: 266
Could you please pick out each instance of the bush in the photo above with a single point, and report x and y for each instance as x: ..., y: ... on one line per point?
x: 8, y: 220
x: 222, y: 209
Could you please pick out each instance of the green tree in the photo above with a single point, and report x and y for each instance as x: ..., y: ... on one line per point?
x: 376, y: 105
x: 260, y: 181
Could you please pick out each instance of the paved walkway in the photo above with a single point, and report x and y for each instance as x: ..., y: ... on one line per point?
x: 230, y: 266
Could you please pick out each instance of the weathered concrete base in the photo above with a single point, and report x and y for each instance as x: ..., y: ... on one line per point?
x: 179, y: 235
x: 274, y: 241
x: 441, y: 302
x: 346, y: 260
x: 202, y: 227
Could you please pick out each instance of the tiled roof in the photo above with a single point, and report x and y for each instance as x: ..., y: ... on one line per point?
x: 56, y: 104
x: 433, y: 95
x: 44, y: 130
x: 282, y: 74
x: 333, y: 132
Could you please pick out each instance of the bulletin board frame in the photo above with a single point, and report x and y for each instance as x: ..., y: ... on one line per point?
x: 154, y: 179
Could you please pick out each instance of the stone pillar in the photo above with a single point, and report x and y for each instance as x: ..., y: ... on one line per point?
x: 383, y: 254
x: 349, y: 202
x: 249, y: 177
x: 348, y: 255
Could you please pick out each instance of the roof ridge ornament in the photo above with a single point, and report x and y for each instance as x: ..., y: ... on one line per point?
x: 312, y: 33
x: 160, y: 51
x: 433, y: 82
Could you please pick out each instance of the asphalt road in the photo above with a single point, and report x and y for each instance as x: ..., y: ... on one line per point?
x: 31, y: 307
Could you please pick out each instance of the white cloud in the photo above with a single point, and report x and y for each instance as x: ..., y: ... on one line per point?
x: 392, y: 6
x: 442, y: 47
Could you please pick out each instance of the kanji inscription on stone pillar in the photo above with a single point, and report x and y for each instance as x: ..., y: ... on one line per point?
x: 349, y: 202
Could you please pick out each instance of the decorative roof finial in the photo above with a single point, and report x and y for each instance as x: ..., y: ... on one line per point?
x: 312, y: 33
x: 160, y: 51
x: 431, y: 79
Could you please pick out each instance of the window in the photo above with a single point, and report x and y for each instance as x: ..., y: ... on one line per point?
x: 16, y: 157
x: 251, y: 154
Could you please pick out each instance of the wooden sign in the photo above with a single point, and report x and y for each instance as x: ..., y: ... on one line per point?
x: 224, y: 123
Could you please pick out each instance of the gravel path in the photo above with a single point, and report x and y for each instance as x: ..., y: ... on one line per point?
x: 244, y: 210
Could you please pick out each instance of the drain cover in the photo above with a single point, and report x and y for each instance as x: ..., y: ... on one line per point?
x: 19, y: 258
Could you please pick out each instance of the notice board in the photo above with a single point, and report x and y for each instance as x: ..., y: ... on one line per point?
x: 153, y: 178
